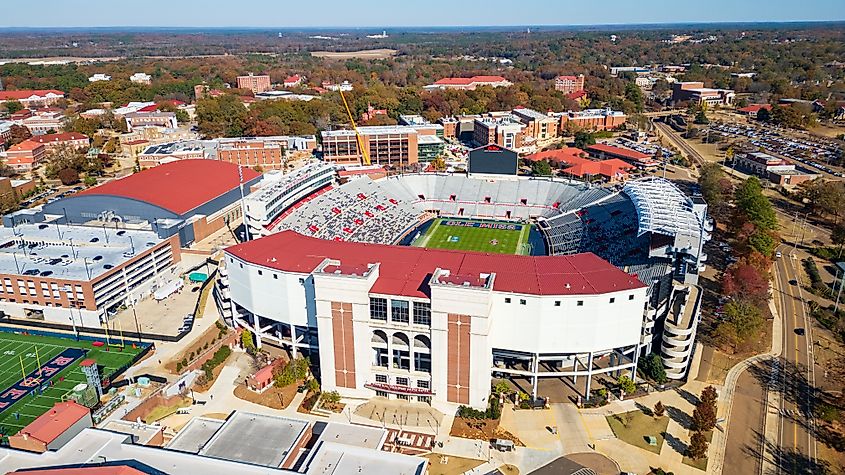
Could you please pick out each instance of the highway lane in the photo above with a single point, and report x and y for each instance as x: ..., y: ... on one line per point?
x: 795, y: 427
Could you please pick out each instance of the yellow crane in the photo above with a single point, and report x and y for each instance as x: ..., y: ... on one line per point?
x: 365, y: 157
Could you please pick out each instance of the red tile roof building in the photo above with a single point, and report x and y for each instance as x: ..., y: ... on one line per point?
x: 54, y: 428
x: 633, y: 157
x: 26, y: 155
x: 70, y: 139
x: 293, y: 81
x: 752, y: 110
x: 33, y: 98
x: 576, y: 164
x: 470, y: 84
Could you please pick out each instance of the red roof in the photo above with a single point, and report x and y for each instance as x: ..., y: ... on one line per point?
x: 576, y: 95
x: 563, y: 155
x: 567, y: 78
x: 53, y: 423
x: 618, y: 151
x: 264, y: 374
x: 63, y: 137
x: 406, y: 270
x: 149, y: 108
x: 754, y: 108
x: 26, y: 145
x: 293, y: 79
x: 27, y: 93
x: 179, y: 186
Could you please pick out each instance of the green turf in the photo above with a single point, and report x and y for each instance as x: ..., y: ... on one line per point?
x: 439, y: 236
x: 31, y: 407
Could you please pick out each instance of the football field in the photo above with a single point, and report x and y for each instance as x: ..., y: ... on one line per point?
x: 37, y: 371
x: 476, y: 235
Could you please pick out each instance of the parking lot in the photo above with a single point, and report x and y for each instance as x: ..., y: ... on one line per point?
x: 816, y: 152
x: 50, y: 195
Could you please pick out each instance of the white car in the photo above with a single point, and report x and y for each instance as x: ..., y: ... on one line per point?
x: 778, y: 255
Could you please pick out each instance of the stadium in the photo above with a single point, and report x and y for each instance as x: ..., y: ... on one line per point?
x: 425, y: 287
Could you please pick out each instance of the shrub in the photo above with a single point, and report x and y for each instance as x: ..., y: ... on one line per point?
x: 296, y: 369
x: 652, y: 367
x: 494, y: 411
x: 184, y: 362
x: 626, y: 384
x: 68, y: 176
x: 219, y: 357
x: 659, y: 409
x: 331, y: 397
x: 178, y: 366
x: 467, y: 412
x: 313, y: 386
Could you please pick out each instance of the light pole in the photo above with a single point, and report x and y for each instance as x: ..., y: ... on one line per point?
x: 137, y: 327
x: 69, y: 293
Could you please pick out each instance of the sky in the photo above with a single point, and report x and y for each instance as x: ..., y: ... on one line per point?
x: 398, y: 13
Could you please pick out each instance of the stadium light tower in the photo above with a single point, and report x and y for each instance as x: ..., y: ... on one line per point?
x: 243, y: 202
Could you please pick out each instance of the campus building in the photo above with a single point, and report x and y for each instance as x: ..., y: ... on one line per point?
x: 503, y: 130
x: 392, y: 145
x: 537, y: 125
x: 469, y: 84
x: 32, y: 99
x: 695, y: 92
x: 591, y: 119
x: 256, y: 84
x: 189, y: 198
x: 79, y: 275
x: 569, y: 84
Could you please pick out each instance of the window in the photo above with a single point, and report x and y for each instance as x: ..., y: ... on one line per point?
x: 399, y: 311
x: 260, y: 272
x: 422, y: 313
x: 401, y: 381
x: 424, y: 399
x: 422, y: 362
x: 381, y: 394
x: 381, y: 378
x: 301, y: 280
x: 381, y: 358
x: 557, y: 303
x: 378, y: 309
x: 522, y: 301
x: 402, y: 359
x: 631, y: 297
x: 423, y: 384
x: 580, y: 303
x: 276, y: 276
x: 507, y: 300
x: 612, y: 299
x: 403, y: 397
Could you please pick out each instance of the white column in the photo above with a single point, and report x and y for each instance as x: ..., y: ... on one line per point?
x: 292, y: 340
x: 589, y: 374
x: 535, y: 360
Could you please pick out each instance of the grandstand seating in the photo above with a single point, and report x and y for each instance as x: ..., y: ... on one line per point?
x: 383, y: 211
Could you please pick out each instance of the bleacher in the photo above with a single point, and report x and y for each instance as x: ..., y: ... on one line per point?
x: 608, y: 229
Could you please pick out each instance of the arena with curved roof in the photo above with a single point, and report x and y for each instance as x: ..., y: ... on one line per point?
x: 332, y: 278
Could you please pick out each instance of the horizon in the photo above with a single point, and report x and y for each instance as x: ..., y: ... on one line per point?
x: 335, y: 14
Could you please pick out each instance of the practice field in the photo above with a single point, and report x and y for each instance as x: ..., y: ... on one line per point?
x: 29, y: 391
x: 476, y: 235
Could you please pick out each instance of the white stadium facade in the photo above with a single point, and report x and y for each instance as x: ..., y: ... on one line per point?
x: 613, y: 278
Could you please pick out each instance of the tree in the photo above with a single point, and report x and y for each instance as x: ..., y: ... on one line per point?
x: 248, y: 341
x: 659, y: 409
x: 634, y: 94
x: 837, y: 237
x: 698, y: 446
x: 13, y: 106
x: 743, y: 280
x: 741, y: 321
x: 652, y: 367
x: 763, y: 115
x: 703, y: 417
x: 754, y: 206
x: 626, y: 384
x: 709, y: 396
x: 541, y: 168
x: 584, y: 139
x: 701, y: 118
x: 18, y: 134
x: 223, y: 116
x: 68, y: 176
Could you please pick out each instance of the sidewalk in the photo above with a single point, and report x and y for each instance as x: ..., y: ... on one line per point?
x: 717, y: 445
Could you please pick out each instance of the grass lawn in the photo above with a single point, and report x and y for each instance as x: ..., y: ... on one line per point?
x: 633, y: 427
x: 18, y: 348
x: 453, y: 465
x: 160, y: 412
x: 701, y: 463
x: 471, y: 236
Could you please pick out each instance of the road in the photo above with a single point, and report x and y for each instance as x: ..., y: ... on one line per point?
x: 795, y: 438
x: 685, y: 148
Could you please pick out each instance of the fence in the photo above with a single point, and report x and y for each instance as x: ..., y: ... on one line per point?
x: 87, y: 332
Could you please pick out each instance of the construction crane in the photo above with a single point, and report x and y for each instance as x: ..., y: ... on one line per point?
x: 365, y: 157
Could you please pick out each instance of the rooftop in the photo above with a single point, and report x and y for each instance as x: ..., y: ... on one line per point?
x: 53, y: 423
x: 142, y: 433
x: 69, y: 252
x: 193, y: 437
x: 256, y: 439
x: 358, y: 436
x: 371, y: 130
x: 622, y: 152
x: 662, y: 207
x: 271, y: 191
x: 429, y: 140
x: 27, y: 93
x: 179, y: 186
x: 63, y: 137
x: 406, y: 270
x: 338, y: 459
